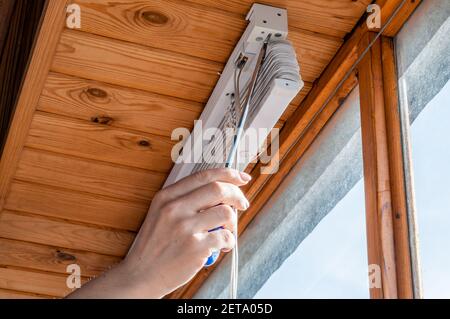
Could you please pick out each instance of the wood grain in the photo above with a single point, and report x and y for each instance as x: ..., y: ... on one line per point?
x: 91, y: 176
x: 117, y: 106
x: 331, y: 17
x: 403, y: 15
x: 170, y: 25
x: 13, y: 294
x: 379, y: 219
x: 194, y: 30
x: 34, y: 282
x: 53, y: 259
x: 76, y: 206
x: 59, y: 233
x: 137, y: 66
x: 123, y: 63
x: 100, y: 142
x: 396, y: 172
x: 313, y: 53
x: 32, y: 85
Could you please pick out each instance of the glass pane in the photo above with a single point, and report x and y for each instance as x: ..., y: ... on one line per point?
x: 430, y: 138
x: 332, y: 261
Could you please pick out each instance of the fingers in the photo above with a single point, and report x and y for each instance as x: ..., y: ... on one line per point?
x: 221, y: 239
x: 221, y: 215
x: 199, y: 179
x: 214, y: 194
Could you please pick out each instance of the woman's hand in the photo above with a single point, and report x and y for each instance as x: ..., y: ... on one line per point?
x: 173, y: 243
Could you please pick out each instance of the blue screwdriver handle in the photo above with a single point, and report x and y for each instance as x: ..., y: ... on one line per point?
x: 215, y: 254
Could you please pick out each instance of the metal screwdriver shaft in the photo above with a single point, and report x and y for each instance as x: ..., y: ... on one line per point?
x: 232, y: 159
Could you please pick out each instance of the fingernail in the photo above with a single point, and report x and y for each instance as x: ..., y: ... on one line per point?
x: 245, y: 204
x: 245, y: 177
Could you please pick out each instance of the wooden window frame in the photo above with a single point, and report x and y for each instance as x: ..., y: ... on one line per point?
x: 384, y: 179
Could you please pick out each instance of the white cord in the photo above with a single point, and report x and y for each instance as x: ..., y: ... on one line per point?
x: 235, y: 252
x: 233, y: 160
x: 234, y: 263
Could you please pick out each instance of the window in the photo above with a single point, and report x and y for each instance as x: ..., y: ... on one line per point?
x: 430, y: 134
x: 332, y: 261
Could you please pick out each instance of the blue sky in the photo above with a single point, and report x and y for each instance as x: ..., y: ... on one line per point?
x: 430, y: 136
x: 332, y: 261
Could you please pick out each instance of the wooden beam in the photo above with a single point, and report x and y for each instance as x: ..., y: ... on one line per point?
x: 386, y: 207
x: 33, y: 83
x: 377, y: 183
x: 396, y: 171
x: 297, y: 126
x: 403, y: 15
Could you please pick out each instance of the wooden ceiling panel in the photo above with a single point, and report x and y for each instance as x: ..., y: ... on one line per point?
x: 60, y: 233
x: 54, y: 259
x: 193, y: 30
x: 13, y: 294
x: 34, y: 282
x: 331, y: 17
x: 73, y: 173
x: 313, y: 52
x: 135, y: 66
x: 175, y: 26
x: 116, y: 106
x: 75, y: 206
x: 100, y: 142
